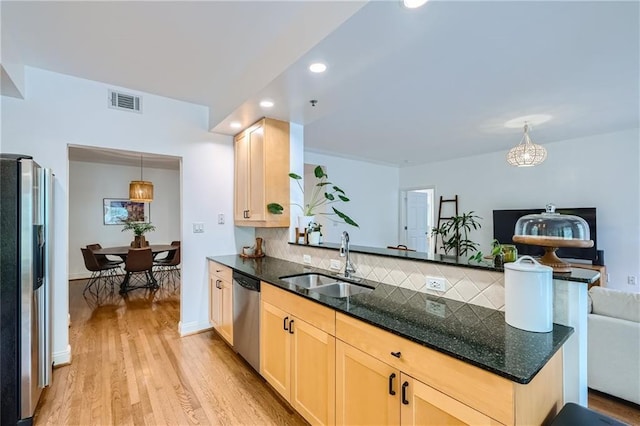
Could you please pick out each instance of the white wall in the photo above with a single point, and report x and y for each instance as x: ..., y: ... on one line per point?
x: 90, y: 183
x: 374, y: 193
x: 59, y: 110
x: 599, y: 171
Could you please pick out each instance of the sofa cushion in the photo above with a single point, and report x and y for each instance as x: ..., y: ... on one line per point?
x: 615, y: 303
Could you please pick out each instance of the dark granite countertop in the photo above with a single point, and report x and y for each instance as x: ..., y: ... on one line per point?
x: 579, y: 275
x: 477, y: 335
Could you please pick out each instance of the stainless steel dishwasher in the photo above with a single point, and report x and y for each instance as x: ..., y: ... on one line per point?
x: 246, y: 318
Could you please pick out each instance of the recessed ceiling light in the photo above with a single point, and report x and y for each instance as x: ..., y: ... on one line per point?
x: 532, y: 120
x: 235, y: 124
x: 413, y: 4
x: 318, y: 67
x: 266, y: 104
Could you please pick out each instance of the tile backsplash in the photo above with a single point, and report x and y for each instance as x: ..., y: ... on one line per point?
x: 475, y: 286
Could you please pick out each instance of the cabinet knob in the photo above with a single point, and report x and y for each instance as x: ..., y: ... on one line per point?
x: 396, y: 354
x: 405, y: 385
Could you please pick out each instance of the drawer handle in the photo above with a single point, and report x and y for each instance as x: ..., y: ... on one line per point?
x: 218, y: 284
x: 391, y: 377
x: 291, y: 327
x: 284, y: 323
x: 405, y: 385
x: 396, y: 354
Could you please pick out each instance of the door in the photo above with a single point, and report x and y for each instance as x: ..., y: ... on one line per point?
x: 242, y: 177
x: 275, y: 353
x: 423, y: 405
x: 215, y: 306
x: 313, y: 372
x: 417, y: 220
x: 367, y: 389
x: 257, y: 203
x: 226, y: 307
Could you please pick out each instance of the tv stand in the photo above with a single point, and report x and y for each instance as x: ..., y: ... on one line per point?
x: 602, y: 281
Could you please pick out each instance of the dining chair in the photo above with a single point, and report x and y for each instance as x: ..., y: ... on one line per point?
x: 168, y: 268
x: 104, y: 274
x: 139, y: 269
x: 103, y: 259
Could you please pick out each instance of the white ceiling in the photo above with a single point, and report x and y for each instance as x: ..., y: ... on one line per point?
x: 403, y: 86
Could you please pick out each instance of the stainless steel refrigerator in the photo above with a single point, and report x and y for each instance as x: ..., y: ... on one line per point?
x: 25, y: 286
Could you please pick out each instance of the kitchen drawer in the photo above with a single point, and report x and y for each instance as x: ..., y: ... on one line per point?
x: 317, y: 315
x: 484, y: 391
x: 220, y: 271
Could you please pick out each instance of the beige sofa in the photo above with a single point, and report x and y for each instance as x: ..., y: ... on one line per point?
x: 613, y: 358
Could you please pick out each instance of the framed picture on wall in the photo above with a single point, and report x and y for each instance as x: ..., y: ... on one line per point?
x: 116, y: 211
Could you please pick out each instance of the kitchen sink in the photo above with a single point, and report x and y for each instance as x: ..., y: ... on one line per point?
x: 341, y: 289
x: 310, y: 280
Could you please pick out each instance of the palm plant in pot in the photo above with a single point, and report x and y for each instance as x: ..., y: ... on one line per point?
x: 139, y: 229
x: 324, y: 194
x: 454, y: 236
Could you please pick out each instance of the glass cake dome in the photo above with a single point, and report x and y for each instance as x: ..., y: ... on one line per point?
x: 550, y: 224
x: 552, y: 230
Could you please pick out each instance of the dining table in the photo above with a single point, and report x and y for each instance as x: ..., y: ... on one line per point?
x: 123, y: 251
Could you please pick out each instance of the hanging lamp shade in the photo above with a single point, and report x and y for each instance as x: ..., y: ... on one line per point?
x: 141, y: 190
x: 526, y: 153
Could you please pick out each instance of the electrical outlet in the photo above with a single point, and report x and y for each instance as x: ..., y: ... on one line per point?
x: 221, y: 219
x: 335, y: 264
x: 632, y: 280
x: 306, y: 259
x: 436, y: 308
x: 435, y: 283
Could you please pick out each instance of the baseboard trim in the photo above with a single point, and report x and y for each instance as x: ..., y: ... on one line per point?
x: 193, y: 327
x: 80, y: 276
x: 62, y: 357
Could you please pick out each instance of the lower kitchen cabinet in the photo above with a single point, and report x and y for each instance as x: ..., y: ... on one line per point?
x: 296, y: 357
x: 221, y: 300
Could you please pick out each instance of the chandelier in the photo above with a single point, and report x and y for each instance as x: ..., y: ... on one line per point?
x: 526, y: 153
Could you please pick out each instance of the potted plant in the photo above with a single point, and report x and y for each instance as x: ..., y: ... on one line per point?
x: 315, y: 232
x: 497, y: 251
x: 324, y: 194
x: 454, y: 234
x: 139, y: 229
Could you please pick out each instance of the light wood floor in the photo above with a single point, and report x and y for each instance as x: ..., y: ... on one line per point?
x: 130, y: 366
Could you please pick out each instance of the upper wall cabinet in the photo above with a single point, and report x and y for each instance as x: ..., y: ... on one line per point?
x: 262, y: 174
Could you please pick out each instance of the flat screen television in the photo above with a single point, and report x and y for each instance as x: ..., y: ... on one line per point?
x: 504, y: 223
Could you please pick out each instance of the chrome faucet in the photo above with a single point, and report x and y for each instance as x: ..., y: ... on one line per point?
x: 349, y: 270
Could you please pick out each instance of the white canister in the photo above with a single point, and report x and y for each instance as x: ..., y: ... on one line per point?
x: 528, y: 295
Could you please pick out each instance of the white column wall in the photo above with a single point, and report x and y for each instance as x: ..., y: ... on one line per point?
x: 59, y: 110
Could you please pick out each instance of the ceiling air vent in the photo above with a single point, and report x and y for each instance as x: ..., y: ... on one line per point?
x: 124, y: 101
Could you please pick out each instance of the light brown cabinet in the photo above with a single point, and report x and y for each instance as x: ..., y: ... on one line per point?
x: 411, y: 384
x: 262, y: 174
x: 221, y: 300
x: 297, y: 353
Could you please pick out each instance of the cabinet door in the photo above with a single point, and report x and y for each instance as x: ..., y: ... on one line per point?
x: 313, y: 372
x: 241, y: 203
x: 226, y: 314
x: 215, y: 311
x: 367, y: 389
x: 257, y: 204
x: 423, y: 405
x: 275, y: 343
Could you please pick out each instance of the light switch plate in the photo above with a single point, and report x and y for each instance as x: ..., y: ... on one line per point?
x: 335, y: 264
x: 198, y: 227
x: 306, y: 259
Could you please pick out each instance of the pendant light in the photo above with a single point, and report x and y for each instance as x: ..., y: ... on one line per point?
x: 526, y: 153
x: 141, y: 190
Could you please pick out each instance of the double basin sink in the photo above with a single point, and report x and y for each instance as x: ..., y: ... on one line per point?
x: 327, y: 285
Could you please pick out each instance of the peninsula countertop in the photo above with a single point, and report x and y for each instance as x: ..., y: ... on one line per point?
x: 471, y: 333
